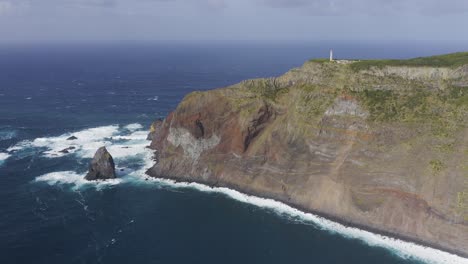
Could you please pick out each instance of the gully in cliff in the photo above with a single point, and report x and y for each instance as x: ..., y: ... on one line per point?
x: 102, y: 166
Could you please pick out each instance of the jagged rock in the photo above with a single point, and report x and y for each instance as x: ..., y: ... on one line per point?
x: 67, y: 150
x: 102, y: 166
x: 72, y: 138
x: 155, y: 129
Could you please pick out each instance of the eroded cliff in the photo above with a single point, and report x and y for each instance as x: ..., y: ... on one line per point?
x: 380, y: 146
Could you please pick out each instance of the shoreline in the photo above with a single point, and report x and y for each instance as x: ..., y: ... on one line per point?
x: 338, y: 220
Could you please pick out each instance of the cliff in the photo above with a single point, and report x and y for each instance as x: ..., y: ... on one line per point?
x: 382, y: 145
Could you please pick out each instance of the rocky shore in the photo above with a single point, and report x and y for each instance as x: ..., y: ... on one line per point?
x: 381, y: 147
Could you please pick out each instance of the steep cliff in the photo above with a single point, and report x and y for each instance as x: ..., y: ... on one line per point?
x: 382, y: 145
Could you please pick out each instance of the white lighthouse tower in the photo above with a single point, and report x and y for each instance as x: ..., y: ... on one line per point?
x: 331, y: 55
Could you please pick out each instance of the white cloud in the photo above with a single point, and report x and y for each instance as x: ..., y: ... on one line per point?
x: 5, y: 7
x: 371, y: 7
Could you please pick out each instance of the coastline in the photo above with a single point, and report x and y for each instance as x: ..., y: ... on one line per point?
x: 338, y: 220
x: 334, y: 148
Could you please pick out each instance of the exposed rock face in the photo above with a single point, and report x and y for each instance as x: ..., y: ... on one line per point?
x: 155, y: 130
x: 72, y: 138
x: 384, y: 149
x: 102, y: 166
x: 67, y: 150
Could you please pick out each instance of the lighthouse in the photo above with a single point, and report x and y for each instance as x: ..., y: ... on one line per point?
x: 331, y: 55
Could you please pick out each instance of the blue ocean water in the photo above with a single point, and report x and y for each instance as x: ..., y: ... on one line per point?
x: 108, y: 95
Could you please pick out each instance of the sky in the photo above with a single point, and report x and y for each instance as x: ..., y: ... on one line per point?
x: 233, y: 20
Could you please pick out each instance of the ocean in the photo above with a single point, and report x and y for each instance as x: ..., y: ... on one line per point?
x: 108, y: 95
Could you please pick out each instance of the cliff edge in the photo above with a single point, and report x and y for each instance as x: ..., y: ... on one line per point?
x: 382, y: 145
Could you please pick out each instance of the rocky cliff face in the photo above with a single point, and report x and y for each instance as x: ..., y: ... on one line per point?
x: 384, y: 148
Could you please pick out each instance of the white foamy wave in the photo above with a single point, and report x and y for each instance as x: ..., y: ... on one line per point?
x: 74, y: 179
x: 133, y: 127
x: 120, y: 143
x: 7, y: 135
x: 132, y: 145
x: 3, y: 157
x: 137, y: 135
x: 403, y: 249
x: 88, y: 140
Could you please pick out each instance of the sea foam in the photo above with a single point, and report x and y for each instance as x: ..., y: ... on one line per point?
x: 7, y: 134
x: 122, y: 145
x: 3, y: 157
x: 74, y: 179
x: 134, y: 145
x: 133, y: 127
x: 406, y: 250
x: 119, y: 144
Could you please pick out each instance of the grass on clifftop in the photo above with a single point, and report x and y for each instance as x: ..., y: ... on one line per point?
x: 447, y: 60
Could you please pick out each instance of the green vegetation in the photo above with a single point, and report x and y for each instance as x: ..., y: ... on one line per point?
x: 267, y: 88
x: 448, y: 60
x: 437, y: 166
x: 319, y: 60
x: 441, y: 108
x: 313, y: 100
x: 457, y: 95
x: 388, y: 105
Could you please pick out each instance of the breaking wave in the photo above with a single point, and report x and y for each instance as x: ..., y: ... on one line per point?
x: 7, y: 134
x: 74, y: 179
x: 3, y: 157
x: 126, y: 144
x: 133, y: 127
x: 121, y: 142
x: 406, y: 250
x: 131, y: 146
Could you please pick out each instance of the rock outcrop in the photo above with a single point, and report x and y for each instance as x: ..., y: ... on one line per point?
x: 102, y: 166
x: 382, y: 148
x: 67, y: 150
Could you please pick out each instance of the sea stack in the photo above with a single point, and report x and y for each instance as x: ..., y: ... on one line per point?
x: 102, y: 166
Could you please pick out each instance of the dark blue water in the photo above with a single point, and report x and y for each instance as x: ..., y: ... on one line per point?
x: 53, y: 91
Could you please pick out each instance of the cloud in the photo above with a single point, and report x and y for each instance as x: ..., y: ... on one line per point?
x: 217, y: 4
x: 100, y: 3
x: 311, y: 7
x: 372, y: 7
x: 40, y: 5
x: 286, y: 3
x: 5, y: 7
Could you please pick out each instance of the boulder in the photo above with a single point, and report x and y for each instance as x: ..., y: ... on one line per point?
x: 72, y: 138
x: 102, y: 166
x: 67, y: 150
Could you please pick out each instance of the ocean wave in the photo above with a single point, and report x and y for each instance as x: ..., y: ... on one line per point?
x: 74, y: 179
x: 133, y: 127
x: 124, y: 175
x: 3, y: 157
x: 133, y: 145
x: 121, y: 142
x: 7, y: 134
x: 155, y: 98
x: 406, y: 250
